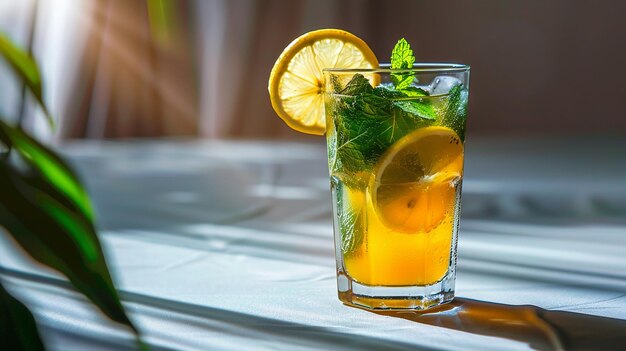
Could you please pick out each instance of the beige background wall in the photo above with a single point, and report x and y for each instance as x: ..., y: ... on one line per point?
x: 553, y: 66
x: 538, y: 67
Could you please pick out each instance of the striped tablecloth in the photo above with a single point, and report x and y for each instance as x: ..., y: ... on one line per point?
x: 227, y: 245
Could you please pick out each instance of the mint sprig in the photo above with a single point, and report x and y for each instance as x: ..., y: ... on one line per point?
x: 402, y: 57
x: 368, y: 120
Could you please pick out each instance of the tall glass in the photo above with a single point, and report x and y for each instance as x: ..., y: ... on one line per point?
x: 395, y: 153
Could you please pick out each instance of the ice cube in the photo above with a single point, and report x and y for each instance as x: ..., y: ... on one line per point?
x: 443, y: 84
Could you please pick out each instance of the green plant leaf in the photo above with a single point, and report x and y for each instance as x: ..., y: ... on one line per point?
x: 455, y: 113
x: 357, y: 85
x: 417, y: 108
x: 26, y: 69
x: 402, y: 58
x: 18, y: 330
x: 351, y: 217
x: 51, y: 166
x: 162, y: 18
x: 414, y: 91
x: 41, y: 219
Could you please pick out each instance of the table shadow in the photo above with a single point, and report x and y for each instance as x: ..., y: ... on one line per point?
x: 541, y: 329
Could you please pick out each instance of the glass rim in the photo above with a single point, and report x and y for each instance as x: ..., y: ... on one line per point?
x: 422, y: 67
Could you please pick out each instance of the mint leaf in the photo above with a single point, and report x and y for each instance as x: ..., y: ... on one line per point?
x: 355, y: 139
x: 455, y: 112
x: 402, y: 58
x: 396, y: 126
x: 351, y: 133
x: 417, y: 108
x: 351, y: 218
x: 402, y: 80
x: 374, y: 106
x: 335, y: 84
x: 388, y: 93
x: 349, y: 154
x: 414, y: 91
x: 357, y: 85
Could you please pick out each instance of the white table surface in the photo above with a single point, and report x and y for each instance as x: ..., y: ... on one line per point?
x: 227, y: 245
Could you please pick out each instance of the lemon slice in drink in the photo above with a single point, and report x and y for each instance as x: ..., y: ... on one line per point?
x: 414, y: 185
x: 296, y: 82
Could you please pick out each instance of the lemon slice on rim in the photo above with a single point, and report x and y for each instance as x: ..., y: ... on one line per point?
x: 296, y: 82
x: 414, y: 185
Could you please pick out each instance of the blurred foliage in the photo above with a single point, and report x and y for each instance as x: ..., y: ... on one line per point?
x: 45, y: 208
x: 162, y: 17
x: 17, y: 325
x: 25, y: 68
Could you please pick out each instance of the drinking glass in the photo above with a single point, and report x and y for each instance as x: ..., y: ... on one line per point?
x: 395, y: 152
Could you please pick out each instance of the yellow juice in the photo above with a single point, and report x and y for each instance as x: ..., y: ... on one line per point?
x: 392, y: 258
x: 388, y: 257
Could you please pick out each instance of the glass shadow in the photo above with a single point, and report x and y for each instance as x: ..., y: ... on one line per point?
x: 541, y: 329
